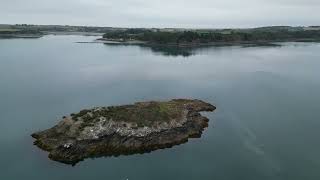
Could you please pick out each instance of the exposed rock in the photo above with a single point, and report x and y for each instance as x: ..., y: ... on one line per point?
x: 123, y: 130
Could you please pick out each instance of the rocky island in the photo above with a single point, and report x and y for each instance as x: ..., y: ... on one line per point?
x: 123, y: 130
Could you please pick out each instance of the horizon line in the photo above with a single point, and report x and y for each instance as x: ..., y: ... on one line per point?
x: 144, y: 27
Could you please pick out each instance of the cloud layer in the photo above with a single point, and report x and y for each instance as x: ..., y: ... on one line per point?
x: 164, y: 13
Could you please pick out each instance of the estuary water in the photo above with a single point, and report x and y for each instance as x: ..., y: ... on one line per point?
x: 266, y: 126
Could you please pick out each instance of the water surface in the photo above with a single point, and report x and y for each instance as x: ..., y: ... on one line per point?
x: 266, y: 125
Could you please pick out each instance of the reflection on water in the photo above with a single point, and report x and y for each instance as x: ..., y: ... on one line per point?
x: 172, y: 50
x: 164, y: 50
x: 189, y: 51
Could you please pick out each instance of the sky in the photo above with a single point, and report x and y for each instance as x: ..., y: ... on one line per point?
x: 162, y: 13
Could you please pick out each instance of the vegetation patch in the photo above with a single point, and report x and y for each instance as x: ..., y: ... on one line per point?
x: 143, y: 114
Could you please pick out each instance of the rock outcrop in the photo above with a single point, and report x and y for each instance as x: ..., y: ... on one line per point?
x: 123, y: 130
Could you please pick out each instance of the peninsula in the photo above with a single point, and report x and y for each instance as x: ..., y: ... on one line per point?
x: 189, y: 37
x: 123, y: 130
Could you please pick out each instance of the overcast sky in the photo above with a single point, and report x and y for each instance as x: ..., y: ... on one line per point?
x: 162, y: 13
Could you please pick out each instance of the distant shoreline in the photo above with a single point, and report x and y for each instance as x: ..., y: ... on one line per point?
x: 181, y: 37
x: 262, y: 43
x: 72, y: 33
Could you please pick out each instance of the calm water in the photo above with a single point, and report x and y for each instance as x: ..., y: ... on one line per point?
x: 266, y: 125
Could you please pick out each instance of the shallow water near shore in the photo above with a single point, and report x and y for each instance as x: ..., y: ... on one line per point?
x: 266, y: 125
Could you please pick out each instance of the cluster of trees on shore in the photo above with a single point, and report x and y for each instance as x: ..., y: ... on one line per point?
x: 254, y: 35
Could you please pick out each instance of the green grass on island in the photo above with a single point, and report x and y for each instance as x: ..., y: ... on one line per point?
x: 143, y: 114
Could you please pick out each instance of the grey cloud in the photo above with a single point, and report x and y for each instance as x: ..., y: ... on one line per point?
x: 165, y: 13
